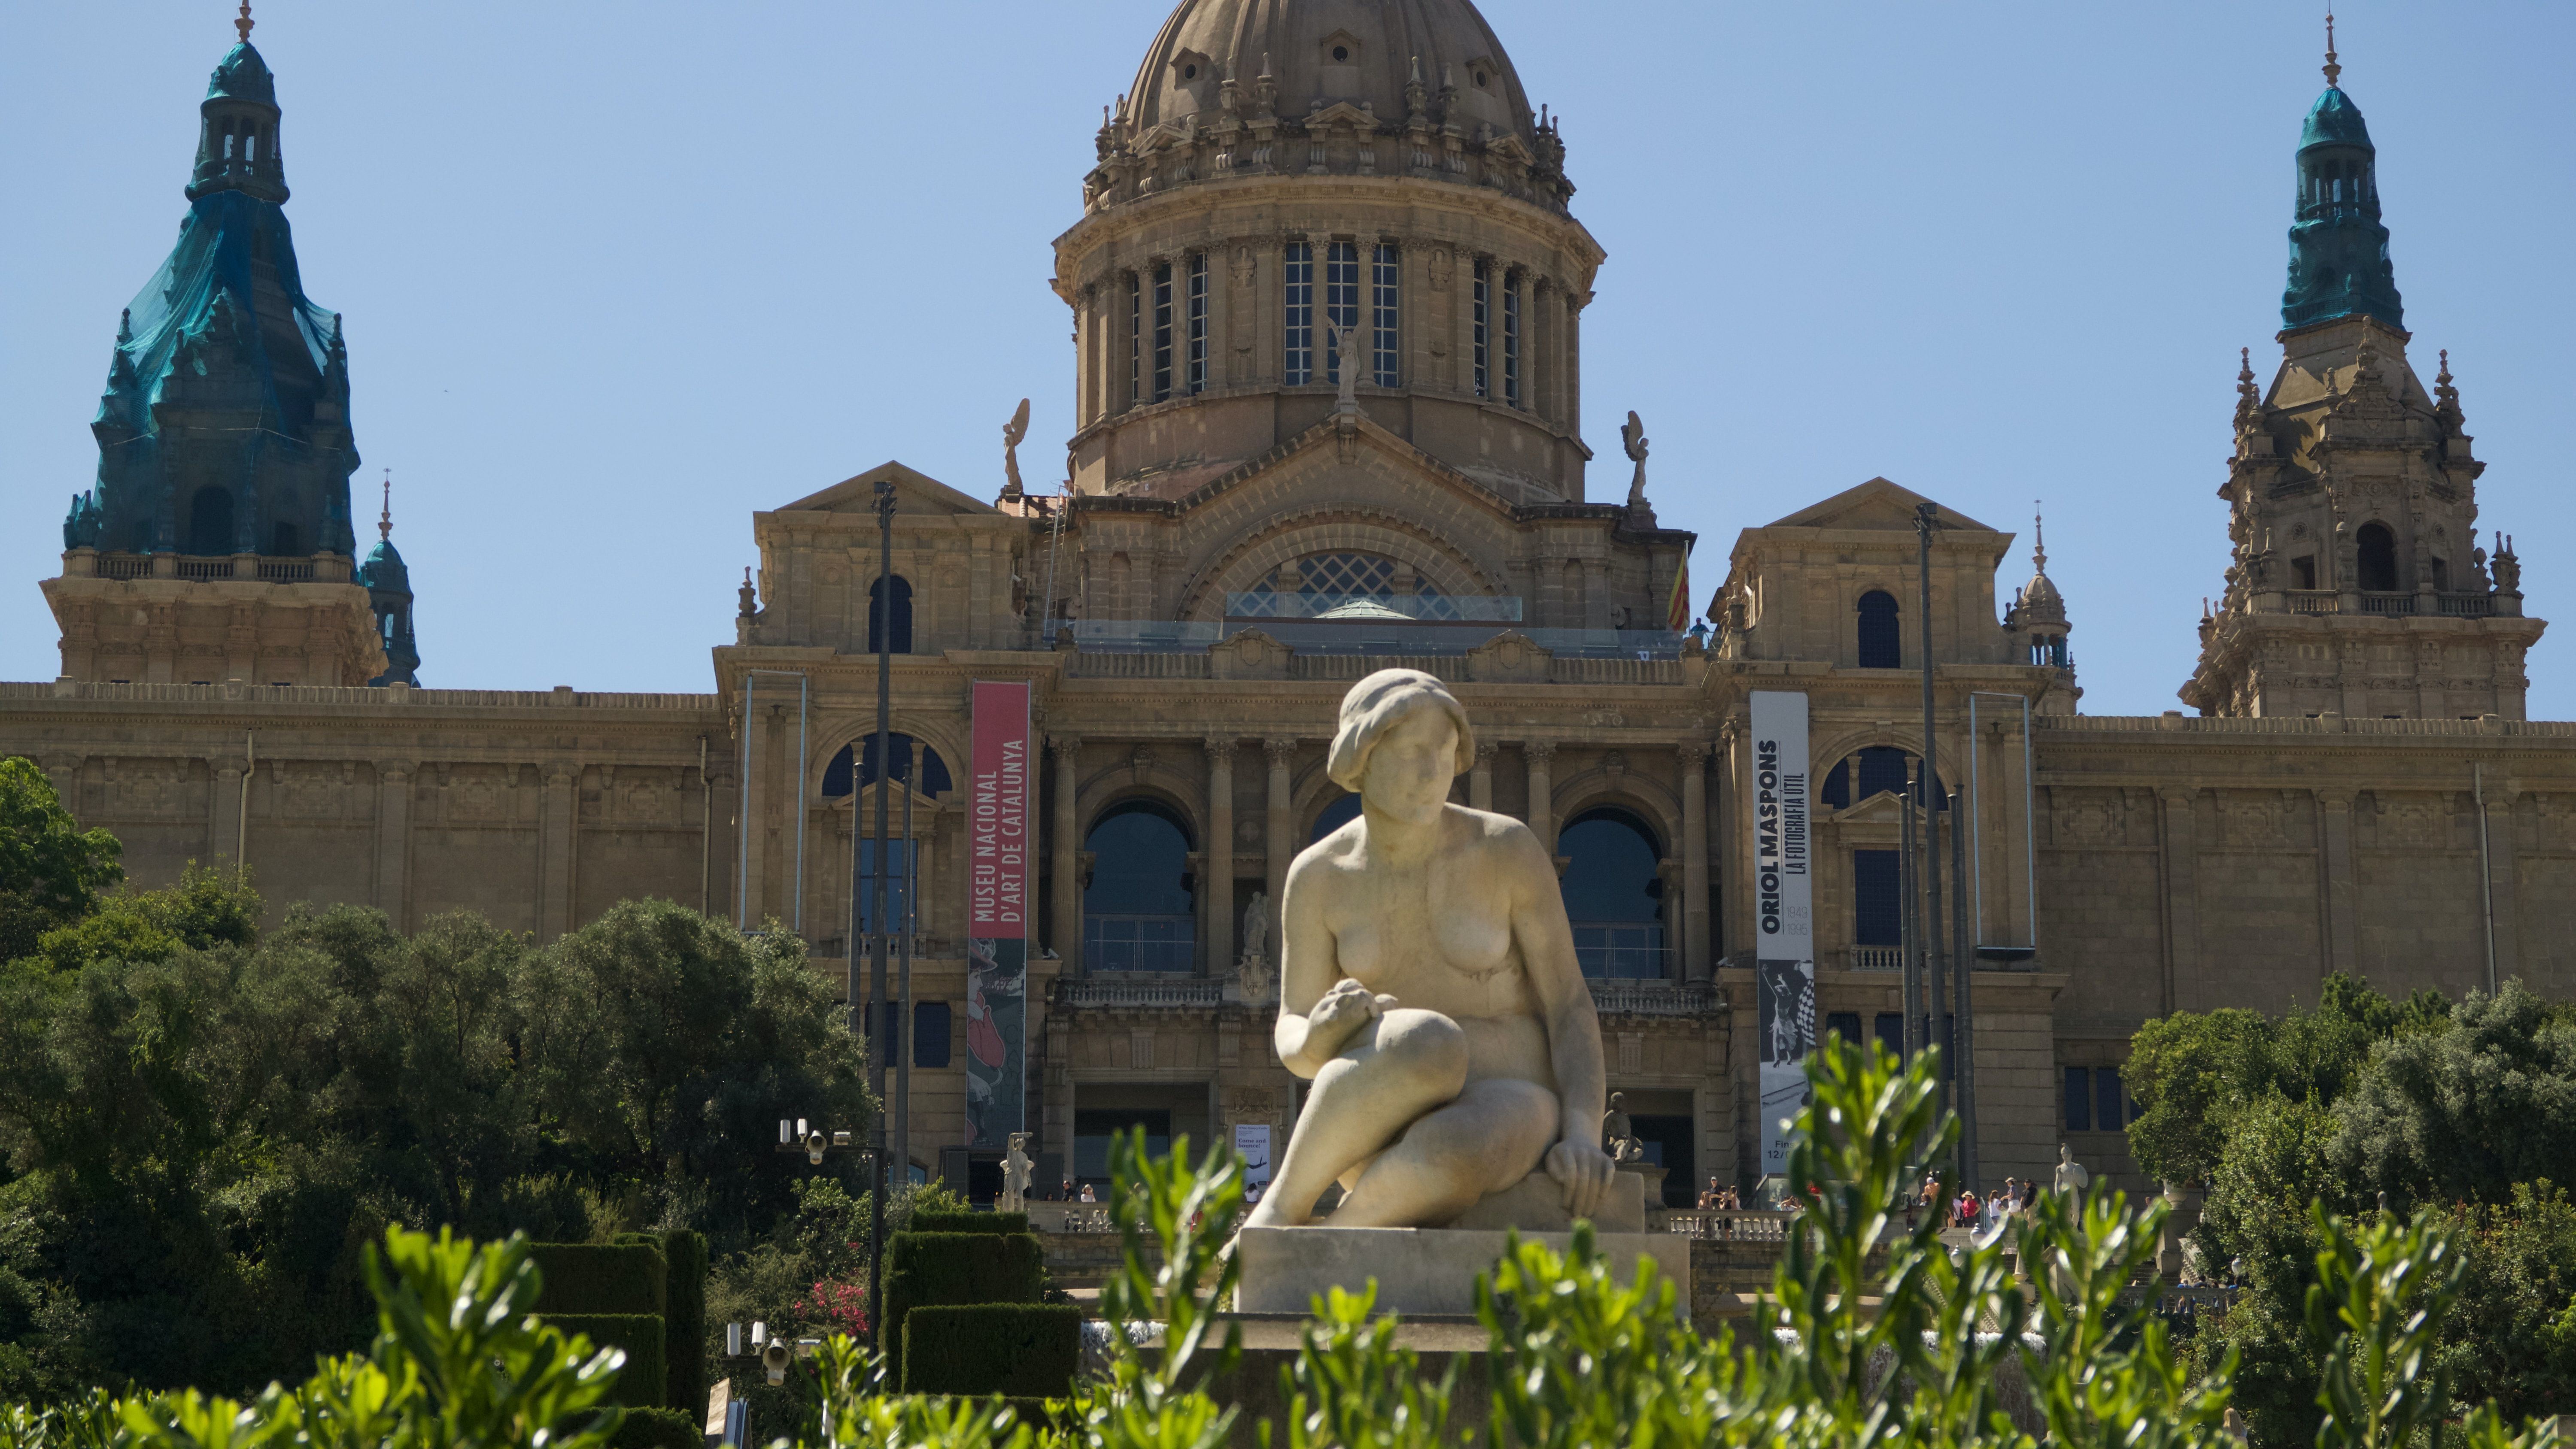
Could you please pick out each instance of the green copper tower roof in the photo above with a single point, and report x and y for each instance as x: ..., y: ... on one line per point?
x: 2339, y: 264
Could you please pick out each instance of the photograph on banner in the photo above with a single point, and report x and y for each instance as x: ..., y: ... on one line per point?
x: 1784, y: 977
x: 1252, y: 1144
x: 997, y: 917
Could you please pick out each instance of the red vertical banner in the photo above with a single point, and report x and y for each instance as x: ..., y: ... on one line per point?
x: 999, y: 842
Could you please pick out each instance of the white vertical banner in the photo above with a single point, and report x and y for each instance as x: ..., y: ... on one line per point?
x: 1784, y: 952
x: 1252, y: 1144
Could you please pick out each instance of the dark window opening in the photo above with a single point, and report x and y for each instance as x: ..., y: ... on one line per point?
x: 1890, y: 1029
x: 1512, y: 341
x: 1844, y: 1024
x: 1667, y: 1140
x: 1384, y: 278
x: 1341, y: 52
x: 1614, y: 894
x: 1881, y: 642
x: 1139, y: 912
x: 1484, y: 307
x: 2441, y: 577
x: 930, y: 1034
x: 861, y: 757
x: 210, y: 522
x: 2079, y: 1099
x: 1194, y: 328
x: 890, y: 615
x: 282, y: 541
x: 2375, y: 558
x: 1882, y: 768
x: 1878, y: 901
x: 1189, y: 72
x: 1162, y: 331
x: 1297, y: 282
x: 1094, y: 1126
x: 2107, y: 1098
x: 2303, y: 572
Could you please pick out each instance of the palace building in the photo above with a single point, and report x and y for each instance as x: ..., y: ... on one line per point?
x: 1328, y: 286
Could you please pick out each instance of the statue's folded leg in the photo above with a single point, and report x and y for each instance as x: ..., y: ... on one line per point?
x: 1394, y: 1069
x: 1493, y: 1135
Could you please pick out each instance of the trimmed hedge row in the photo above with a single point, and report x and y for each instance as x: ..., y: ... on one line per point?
x: 621, y: 1277
x: 658, y: 1429
x: 1018, y: 1350
x: 946, y: 1269
x: 968, y: 1222
x: 684, y: 1323
x: 646, y: 1377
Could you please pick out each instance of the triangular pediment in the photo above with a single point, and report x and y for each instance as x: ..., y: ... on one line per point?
x: 915, y: 492
x: 1876, y: 504
x: 1328, y: 437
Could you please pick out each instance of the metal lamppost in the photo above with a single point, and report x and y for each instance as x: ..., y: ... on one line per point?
x: 1925, y: 514
x: 882, y: 616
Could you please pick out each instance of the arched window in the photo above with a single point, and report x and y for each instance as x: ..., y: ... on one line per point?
x: 1882, y: 769
x: 912, y: 761
x: 894, y: 615
x: 1336, y: 815
x: 1139, y: 913
x: 210, y: 522
x: 2375, y: 558
x: 1614, y: 894
x: 282, y: 541
x: 1880, y: 646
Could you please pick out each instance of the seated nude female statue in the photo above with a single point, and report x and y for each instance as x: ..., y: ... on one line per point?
x: 1428, y: 987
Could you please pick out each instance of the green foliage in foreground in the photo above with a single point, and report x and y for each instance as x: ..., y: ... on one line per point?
x: 1580, y: 1353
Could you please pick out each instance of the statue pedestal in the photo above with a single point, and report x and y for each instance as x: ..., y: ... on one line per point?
x: 1419, y: 1271
x: 1433, y: 1270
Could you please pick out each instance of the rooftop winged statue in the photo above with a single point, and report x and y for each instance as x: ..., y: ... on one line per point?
x: 1632, y: 436
x: 1014, y: 432
x: 1429, y: 990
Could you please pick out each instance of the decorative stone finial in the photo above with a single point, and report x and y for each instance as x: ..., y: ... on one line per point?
x: 242, y: 22
x: 2333, y: 71
x: 2038, y: 541
x: 385, y: 519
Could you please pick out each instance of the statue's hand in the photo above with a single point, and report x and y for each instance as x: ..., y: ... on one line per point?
x: 1584, y: 1171
x: 1341, y: 1012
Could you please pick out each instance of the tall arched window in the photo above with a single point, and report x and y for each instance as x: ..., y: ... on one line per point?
x: 1881, y: 644
x: 890, y: 619
x: 1139, y: 912
x: 1614, y: 894
x: 2375, y: 558
x: 912, y: 761
x: 855, y: 767
x: 210, y: 522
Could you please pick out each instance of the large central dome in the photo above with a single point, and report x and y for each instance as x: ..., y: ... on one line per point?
x: 1321, y: 52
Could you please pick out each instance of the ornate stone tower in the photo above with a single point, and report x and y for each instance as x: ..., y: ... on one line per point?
x: 1288, y: 176
x: 388, y: 586
x: 2357, y: 586
x: 215, y: 544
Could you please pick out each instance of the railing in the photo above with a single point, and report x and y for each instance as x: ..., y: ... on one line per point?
x: 201, y: 570
x: 1140, y: 943
x: 1652, y: 998
x: 2315, y: 601
x: 1367, y: 638
x: 286, y: 570
x: 2468, y: 606
x: 124, y: 566
x: 1878, y: 958
x: 1746, y: 1225
x: 1620, y: 950
x: 1190, y: 993
x: 194, y: 568
x: 2385, y: 603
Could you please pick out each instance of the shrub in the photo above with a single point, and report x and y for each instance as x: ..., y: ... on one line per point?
x: 684, y: 1258
x: 948, y: 1269
x: 658, y: 1429
x: 646, y: 1378
x: 1021, y: 1350
x: 586, y: 1278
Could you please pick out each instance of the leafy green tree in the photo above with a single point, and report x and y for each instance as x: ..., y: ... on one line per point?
x: 2465, y: 1112
x: 207, y: 908
x: 52, y: 872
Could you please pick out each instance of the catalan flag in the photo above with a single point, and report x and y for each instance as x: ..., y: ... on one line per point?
x: 1677, y: 615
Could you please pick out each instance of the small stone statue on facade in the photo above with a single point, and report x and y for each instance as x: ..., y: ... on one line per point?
x: 1618, y: 1134
x: 1015, y: 1175
x: 2071, y: 1179
x: 1346, y: 367
x: 1013, y: 433
x: 1252, y: 968
x: 1632, y: 436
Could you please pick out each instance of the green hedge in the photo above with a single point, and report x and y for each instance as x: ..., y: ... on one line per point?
x: 646, y: 1377
x: 624, y: 1277
x: 659, y: 1429
x: 939, y: 1222
x: 1022, y: 1350
x: 684, y: 1344
x: 946, y: 1269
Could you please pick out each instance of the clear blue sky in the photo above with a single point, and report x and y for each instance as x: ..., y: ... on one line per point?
x: 617, y: 275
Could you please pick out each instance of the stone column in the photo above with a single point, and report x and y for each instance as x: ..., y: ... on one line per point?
x: 1693, y: 759
x: 2343, y: 901
x: 2180, y: 850
x: 1279, y: 832
x: 2502, y: 873
x: 1596, y: 593
x: 1220, y: 855
x: 393, y: 841
x: 225, y: 828
x: 1542, y: 796
x: 1064, y: 863
x: 555, y: 829
x: 1480, y: 777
